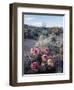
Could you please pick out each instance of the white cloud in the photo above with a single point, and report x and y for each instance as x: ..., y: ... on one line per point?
x: 36, y: 23
x: 54, y: 25
x: 29, y: 18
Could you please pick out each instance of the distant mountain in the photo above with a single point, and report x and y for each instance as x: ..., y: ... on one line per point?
x: 52, y: 29
x: 34, y: 32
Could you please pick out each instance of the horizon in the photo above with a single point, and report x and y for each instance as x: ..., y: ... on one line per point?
x: 45, y: 27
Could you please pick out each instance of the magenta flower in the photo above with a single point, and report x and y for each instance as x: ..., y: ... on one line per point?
x: 44, y: 57
x: 35, y: 51
x: 46, y: 50
x: 34, y: 66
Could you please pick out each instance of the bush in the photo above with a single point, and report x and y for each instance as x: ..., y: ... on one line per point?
x: 53, y: 49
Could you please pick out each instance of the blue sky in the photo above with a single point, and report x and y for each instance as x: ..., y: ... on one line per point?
x: 47, y: 20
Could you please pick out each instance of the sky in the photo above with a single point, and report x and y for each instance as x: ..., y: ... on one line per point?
x: 47, y: 20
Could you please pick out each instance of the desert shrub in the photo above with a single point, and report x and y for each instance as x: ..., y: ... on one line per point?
x: 58, y: 65
x: 53, y: 39
x: 27, y: 63
x: 53, y: 49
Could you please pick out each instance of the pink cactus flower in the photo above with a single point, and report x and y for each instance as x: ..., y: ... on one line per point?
x: 44, y: 58
x: 35, y: 51
x: 46, y: 50
x: 34, y: 66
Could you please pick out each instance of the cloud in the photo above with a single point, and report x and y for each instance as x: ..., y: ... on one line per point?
x: 36, y: 23
x: 29, y: 18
